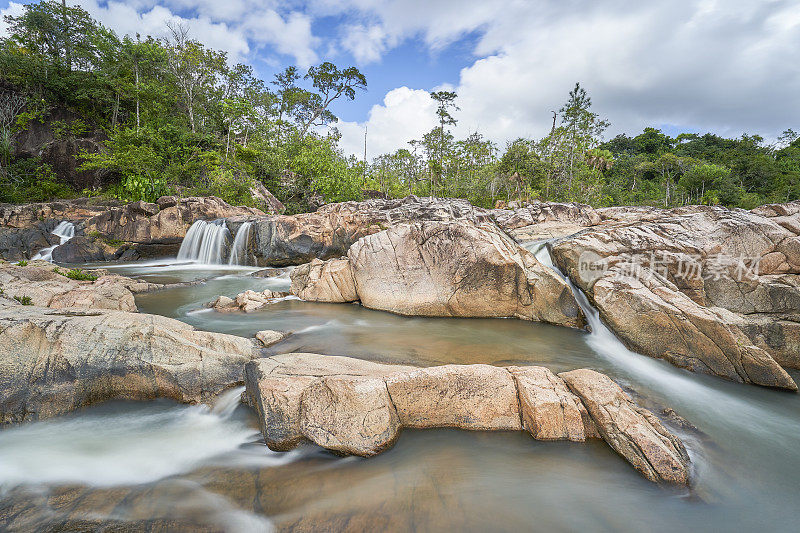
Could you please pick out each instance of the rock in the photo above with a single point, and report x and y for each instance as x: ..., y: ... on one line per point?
x: 358, y: 407
x: 84, y: 249
x: 324, y: 281
x: 271, y: 272
x: 349, y: 415
x: 544, y: 220
x: 269, y: 337
x: 32, y: 215
x: 23, y: 243
x: 687, y: 285
x: 331, y: 230
x: 269, y: 204
x: 549, y: 410
x: 53, y: 361
x: 458, y: 269
x: 635, y: 433
x: 477, y: 397
x: 247, y: 301
x: 41, y: 282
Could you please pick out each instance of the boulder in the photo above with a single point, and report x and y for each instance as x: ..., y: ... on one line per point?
x: 477, y: 397
x: 53, y: 361
x: 351, y: 406
x: 268, y: 337
x: 711, y: 289
x: 32, y: 215
x: 545, y: 220
x: 549, y: 410
x: 635, y: 433
x: 23, y: 243
x: 247, y: 301
x: 324, y: 281
x: 458, y: 269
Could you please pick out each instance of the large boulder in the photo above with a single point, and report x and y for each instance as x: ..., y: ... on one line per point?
x: 332, y: 229
x: 545, y: 220
x: 23, y: 243
x: 32, y: 215
x: 324, y: 281
x: 53, y: 361
x: 46, y: 285
x: 351, y: 406
x: 635, y: 433
x: 458, y: 269
x: 710, y: 289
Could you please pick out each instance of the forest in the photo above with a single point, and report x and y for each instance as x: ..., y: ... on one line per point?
x: 176, y: 117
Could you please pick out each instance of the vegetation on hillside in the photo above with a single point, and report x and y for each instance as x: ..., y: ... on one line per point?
x: 179, y: 117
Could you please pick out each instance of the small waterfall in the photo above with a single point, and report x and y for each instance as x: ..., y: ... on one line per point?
x: 239, y: 248
x: 205, y: 242
x: 64, y: 231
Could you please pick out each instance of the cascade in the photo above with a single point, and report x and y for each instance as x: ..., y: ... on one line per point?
x: 64, y: 231
x: 239, y: 248
x: 205, y: 242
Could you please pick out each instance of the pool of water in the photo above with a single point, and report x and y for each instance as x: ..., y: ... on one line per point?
x: 161, y: 465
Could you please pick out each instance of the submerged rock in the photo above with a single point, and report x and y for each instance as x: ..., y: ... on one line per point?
x: 247, y: 301
x: 268, y: 337
x: 358, y: 407
x: 53, y: 361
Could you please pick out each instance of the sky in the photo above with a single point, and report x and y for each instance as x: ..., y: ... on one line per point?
x: 725, y: 66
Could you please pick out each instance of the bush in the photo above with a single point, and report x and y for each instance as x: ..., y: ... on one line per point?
x: 22, y: 263
x: 24, y: 300
x: 79, y: 275
x: 30, y: 180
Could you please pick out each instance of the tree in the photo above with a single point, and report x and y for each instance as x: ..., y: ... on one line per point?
x: 445, y: 102
x: 312, y: 109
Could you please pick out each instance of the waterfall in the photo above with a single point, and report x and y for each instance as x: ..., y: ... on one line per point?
x: 239, y: 248
x: 64, y: 231
x: 205, y: 242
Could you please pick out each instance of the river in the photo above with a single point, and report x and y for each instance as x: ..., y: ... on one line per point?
x: 163, y: 466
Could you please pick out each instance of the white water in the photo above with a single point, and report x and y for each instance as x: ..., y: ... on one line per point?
x: 65, y: 231
x: 108, y: 446
x: 239, y: 248
x: 205, y: 242
x: 675, y: 383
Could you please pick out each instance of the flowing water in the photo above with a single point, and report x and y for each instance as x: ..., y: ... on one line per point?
x: 64, y: 231
x: 161, y: 465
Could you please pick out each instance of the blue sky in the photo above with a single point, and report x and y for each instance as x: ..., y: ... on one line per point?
x: 728, y: 66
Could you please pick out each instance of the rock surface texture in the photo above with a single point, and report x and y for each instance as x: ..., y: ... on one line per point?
x: 48, y: 286
x: 247, y: 301
x: 53, y: 361
x: 352, y: 406
x: 442, y: 269
x: 710, y: 289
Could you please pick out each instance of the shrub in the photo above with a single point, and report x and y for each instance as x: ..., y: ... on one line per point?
x: 79, y: 275
x: 24, y: 300
x: 22, y: 263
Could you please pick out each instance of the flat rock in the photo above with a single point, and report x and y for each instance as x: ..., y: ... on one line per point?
x: 53, y: 361
x: 269, y: 337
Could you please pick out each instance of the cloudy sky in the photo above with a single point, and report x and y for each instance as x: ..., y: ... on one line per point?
x: 728, y: 66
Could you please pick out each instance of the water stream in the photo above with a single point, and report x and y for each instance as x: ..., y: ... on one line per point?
x: 64, y: 231
x: 177, y: 462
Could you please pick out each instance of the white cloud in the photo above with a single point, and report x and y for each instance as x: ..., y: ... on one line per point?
x: 14, y: 9
x: 405, y: 114
x: 725, y: 66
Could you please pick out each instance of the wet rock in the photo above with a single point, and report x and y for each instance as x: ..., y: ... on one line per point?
x: 269, y: 337
x: 324, y: 281
x: 458, y: 269
x: 635, y: 433
x: 53, y: 361
x: 351, y: 406
x: 23, y: 243
x: 711, y: 289
x: 247, y: 301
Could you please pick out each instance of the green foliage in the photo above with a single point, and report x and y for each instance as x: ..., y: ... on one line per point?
x: 22, y: 263
x: 79, y: 275
x: 24, y: 300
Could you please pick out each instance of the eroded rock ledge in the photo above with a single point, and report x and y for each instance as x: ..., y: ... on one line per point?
x: 53, y: 361
x: 352, y: 406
